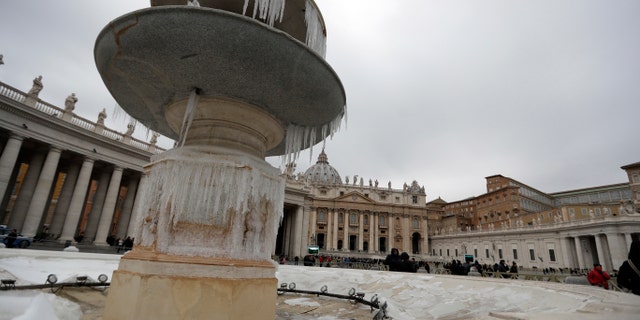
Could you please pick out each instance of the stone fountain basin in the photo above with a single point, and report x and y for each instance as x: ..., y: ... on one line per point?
x: 153, y: 57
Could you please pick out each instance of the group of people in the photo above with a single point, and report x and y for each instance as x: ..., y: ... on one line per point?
x: 400, y: 262
x: 628, y: 277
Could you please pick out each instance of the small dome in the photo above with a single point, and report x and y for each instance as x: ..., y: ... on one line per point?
x: 322, y: 172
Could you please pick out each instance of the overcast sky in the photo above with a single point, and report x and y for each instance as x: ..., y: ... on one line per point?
x: 443, y: 92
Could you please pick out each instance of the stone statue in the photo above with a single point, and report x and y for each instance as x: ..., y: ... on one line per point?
x: 591, y: 214
x: 355, y: 179
x: 154, y: 140
x: 130, y: 128
x: 361, y: 182
x: 70, y: 102
x: 370, y: 183
x: 405, y: 187
x: 37, y: 86
x: 101, y: 116
x: 1, y: 61
x: 389, y: 184
x: 376, y: 183
x: 346, y: 180
x: 193, y: 3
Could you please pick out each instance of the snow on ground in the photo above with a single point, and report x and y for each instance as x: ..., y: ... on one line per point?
x: 409, y: 295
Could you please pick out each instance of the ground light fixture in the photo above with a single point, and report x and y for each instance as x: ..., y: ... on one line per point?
x: 103, y: 278
x: 51, y: 279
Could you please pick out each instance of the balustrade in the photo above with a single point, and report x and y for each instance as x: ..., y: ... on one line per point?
x: 47, y: 108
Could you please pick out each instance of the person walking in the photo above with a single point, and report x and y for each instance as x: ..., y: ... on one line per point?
x: 598, y: 277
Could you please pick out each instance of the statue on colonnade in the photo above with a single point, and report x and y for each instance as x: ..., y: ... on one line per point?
x: 37, y: 87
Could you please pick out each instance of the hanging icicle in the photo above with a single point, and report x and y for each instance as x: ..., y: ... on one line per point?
x: 226, y: 194
x: 316, y: 33
x: 266, y: 10
x: 298, y: 138
x: 188, y: 116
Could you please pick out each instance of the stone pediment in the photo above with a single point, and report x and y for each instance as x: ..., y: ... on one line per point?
x: 355, y: 197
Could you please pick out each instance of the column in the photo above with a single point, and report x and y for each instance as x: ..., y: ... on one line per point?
x: 287, y: 234
x: 360, y: 231
x: 345, y: 231
x: 329, y: 237
x: 371, y: 234
x: 19, y: 211
x: 64, y: 201
x: 567, y: 261
x: 127, y: 208
x: 406, y: 233
x: 106, y: 217
x: 628, y: 239
x: 376, y: 233
x: 41, y: 193
x: 312, y: 225
x: 335, y: 229
x: 297, y: 235
x: 391, y: 238
x: 93, y: 219
x: 425, y: 236
x: 77, y: 201
x: 305, y: 230
x: 8, y: 162
x: 601, y: 254
x: 579, y: 252
x: 616, y: 248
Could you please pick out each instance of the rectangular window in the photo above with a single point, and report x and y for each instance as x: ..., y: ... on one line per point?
x: 515, y: 254
x: 584, y: 211
x: 415, y: 199
x: 486, y: 253
x: 448, y: 253
x: 500, y: 253
x: 456, y: 252
x: 532, y: 254
x: 552, y: 255
x: 636, y: 178
x: 440, y: 252
x: 475, y: 252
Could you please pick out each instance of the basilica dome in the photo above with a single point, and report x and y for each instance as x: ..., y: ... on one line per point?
x: 322, y: 172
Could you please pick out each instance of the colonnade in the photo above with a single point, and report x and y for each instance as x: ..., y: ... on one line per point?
x: 55, y: 195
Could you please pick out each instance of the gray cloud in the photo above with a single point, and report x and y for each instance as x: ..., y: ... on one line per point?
x: 442, y: 92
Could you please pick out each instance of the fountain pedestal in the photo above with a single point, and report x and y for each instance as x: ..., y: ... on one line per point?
x: 154, y: 286
x: 207, y: 222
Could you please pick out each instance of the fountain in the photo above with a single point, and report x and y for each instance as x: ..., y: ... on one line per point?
x: 232, y: 82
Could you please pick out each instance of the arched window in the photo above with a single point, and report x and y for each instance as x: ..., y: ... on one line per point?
x: 416, y: 223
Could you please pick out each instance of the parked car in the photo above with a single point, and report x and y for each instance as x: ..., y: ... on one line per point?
x: 20, y: 242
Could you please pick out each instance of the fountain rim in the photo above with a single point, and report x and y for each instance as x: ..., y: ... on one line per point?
x: 119, y: 23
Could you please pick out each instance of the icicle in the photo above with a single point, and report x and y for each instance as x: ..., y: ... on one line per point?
x: 193, y: 3
x: 189, y: 188
x: 298, y: 138
x: 267, y: 10
x: 316, y: 34
x: 188, y: 116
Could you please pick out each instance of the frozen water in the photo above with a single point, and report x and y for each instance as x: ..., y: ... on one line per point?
x: 230, y: 205
x: 316, y: 34
x: 268, y: 10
